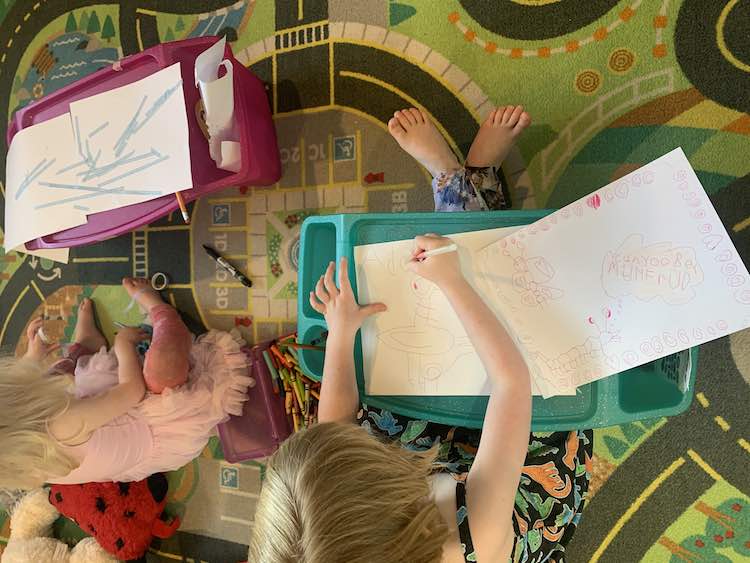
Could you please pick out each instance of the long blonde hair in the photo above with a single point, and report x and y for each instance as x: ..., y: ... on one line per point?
x: 335, y: 494
x: 29, y: 398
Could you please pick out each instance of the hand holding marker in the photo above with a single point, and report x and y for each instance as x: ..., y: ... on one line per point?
x: 423, y: 255
x: 221, y: 261
x: 437, y: 251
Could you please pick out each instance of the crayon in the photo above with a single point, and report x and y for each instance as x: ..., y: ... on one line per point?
x: 272, y: 371
x: 295, y: 417
x: 301, y: 346
x: 315, y: 394
x: 293, y: 353
x: 288, y: 403
x: 306, y: 379
x: 307, y: 398
x: 299, y: 395
x: 279, y: 356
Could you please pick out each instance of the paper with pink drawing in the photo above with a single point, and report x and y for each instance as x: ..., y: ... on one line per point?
x: 640, y: 269
x: 419, y: 347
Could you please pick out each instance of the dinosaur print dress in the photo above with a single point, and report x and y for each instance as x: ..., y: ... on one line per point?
x: 552, y: 488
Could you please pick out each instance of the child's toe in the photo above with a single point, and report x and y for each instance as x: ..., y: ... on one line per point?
x: 417, y: 115
x: 403, y: 119
x: 515, y: 116
x: 394, y: 126
x: 496, y: 115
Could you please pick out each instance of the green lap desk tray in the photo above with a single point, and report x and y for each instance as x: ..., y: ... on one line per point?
x: 648, y: 391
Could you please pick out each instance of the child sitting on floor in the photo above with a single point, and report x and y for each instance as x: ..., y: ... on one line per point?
x: 120, y: 418
x: 370, y: 485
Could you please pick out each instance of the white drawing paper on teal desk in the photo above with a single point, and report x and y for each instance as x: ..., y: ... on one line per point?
x: 635, y: 271
x: 419, y: 346
x: 138, y: 152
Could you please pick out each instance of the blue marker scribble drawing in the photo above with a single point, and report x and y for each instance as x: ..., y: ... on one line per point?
x: 120, y: 190
x: 135, y: 170
x: 123, y: 138
x: 81, y: 208
x: 134, y: 126
x: 33, y: 174
x: 97, y: 189
x: 95, y: 172
x: 100, y: 128
x: 70, y: 167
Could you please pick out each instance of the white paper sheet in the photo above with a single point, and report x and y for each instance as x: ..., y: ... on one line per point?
x: 61, y: 255
x: 637, y: 270
x: 419, y: 346
x: 142, y: 147
x: 36, y: 154
x: 121, y: 147
x: 217, y: 95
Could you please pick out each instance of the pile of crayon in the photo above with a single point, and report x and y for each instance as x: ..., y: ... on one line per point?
x: 299, y: 392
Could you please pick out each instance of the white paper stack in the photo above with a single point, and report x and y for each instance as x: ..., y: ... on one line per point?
x: 113, y: 149
x: 640, y: 269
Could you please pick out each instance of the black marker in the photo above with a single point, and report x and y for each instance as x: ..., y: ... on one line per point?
x: 243, y: 279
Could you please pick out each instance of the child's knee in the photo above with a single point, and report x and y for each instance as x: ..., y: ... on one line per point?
x: 165, y: 371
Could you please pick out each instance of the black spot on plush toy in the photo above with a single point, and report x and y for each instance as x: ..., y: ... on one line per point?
x: 123, y: 517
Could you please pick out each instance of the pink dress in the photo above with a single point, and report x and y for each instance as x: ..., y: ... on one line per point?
x: 164, y: 431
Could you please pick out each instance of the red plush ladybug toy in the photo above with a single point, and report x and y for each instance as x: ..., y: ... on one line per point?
x: 123, y: 517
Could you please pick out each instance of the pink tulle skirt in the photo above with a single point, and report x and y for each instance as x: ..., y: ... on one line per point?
x: 172, y: 428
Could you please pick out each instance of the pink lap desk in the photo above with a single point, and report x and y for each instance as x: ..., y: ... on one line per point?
x: 260, y: 154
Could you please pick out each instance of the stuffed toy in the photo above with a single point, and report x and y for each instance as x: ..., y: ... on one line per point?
x: 30, y: 531
x: 123, y: 517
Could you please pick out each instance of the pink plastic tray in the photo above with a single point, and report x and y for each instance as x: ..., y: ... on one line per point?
x: 263, y: 424
x: 260, y: 154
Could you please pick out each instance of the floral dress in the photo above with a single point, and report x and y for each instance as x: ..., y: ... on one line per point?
x: 470, y: 189
x: 551, y: 492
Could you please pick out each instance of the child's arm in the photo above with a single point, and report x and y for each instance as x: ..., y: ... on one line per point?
x: 86, y: 415
x: 339, y: 397
x: 495, y: 473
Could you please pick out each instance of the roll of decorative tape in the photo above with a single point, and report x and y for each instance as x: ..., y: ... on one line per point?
x: 159, y: 281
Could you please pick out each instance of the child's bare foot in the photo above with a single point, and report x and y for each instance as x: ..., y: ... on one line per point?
x: 497, y: 135
x: 86, y: 332
x: 140, y: 289
x: 418, y: 136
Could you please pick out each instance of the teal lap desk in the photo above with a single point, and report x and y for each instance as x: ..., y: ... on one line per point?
x: 648, y: 391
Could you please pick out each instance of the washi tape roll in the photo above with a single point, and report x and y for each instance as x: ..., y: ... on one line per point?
x: 159, y: 281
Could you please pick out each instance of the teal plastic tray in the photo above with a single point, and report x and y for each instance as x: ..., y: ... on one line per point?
x: 647, y: 391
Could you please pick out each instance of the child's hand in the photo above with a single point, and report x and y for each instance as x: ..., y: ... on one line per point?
x: 38, y: 349
x: 338, y: 306
x: 443, y: 269
x: 128, y: 338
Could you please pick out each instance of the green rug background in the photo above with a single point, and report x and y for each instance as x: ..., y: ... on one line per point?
x: 610, y: 86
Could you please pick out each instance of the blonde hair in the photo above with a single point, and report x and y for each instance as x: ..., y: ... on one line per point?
x: 29, y: 398
x: 335, y: 494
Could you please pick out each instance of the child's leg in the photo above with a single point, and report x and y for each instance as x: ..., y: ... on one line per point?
x: 86, y: 340
x: 492, y: 144
x: 477, y: 186
x: 166, y: 364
